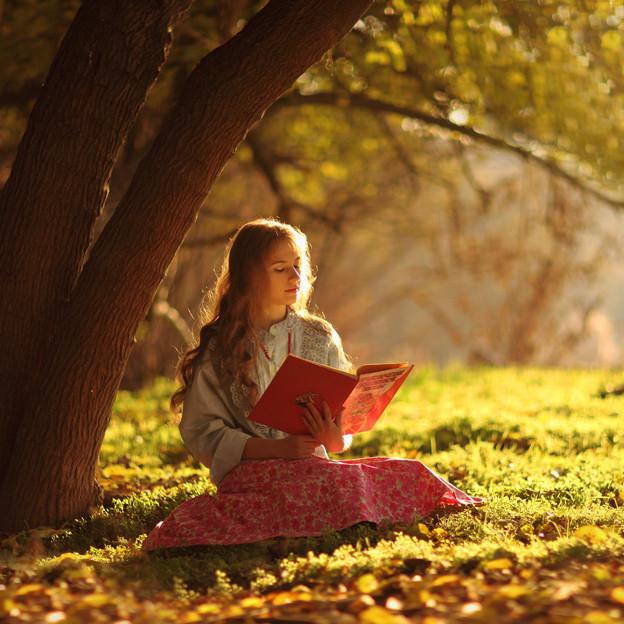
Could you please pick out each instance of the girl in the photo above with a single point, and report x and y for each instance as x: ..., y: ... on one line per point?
x: 270, y: 484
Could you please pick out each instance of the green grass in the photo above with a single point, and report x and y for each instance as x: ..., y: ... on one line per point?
x: 541, y: 446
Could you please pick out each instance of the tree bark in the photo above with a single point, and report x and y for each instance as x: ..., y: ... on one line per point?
x: 51, y: 475
x: 96, y: 86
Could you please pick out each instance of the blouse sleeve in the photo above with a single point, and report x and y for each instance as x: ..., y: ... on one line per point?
x: 209, y: 428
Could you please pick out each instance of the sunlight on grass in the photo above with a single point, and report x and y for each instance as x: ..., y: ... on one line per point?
x: 541, y: 446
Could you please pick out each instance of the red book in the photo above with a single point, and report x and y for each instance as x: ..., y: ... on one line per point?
x: 364, y: 395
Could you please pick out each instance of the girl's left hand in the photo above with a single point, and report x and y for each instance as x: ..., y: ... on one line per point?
x: 323, y: 428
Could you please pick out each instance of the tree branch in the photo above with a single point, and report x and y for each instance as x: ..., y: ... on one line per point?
x: 265, y: 161
x: 448, y: 30
x: 399, y: 150
x: 358, y: 100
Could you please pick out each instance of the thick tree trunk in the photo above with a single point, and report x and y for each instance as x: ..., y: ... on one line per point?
x: 224, y: 96
x: 97, y: 84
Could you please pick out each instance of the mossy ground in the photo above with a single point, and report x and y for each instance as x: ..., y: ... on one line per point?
x: 542, y: 446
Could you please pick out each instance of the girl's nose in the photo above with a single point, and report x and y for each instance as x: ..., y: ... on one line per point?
x: 294, y: 275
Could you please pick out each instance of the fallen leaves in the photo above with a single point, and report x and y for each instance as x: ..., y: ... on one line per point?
x: 381, y: 615
x: 521, y: 558
x: 498, y: 564
x: 72, y: 590
x: 617, y: 594
x: 591, y: 534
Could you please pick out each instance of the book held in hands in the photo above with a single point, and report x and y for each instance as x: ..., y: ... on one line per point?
x: 364, y: 394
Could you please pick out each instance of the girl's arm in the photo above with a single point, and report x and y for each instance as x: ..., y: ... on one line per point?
x: 293, y: 447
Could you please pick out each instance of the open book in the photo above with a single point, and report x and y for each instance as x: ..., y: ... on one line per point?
x: 364, y: 395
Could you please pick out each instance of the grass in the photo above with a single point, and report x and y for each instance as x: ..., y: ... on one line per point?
x: 542, y: 446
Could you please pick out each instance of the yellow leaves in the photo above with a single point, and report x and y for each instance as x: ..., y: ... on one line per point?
x: 429, y: 13
x: 381, y: 615
x: 513, y: 591
x: 558, y: 36
x: 423, y: 529
x: 377, y: 57
x: 30, y: 588
x: 498, y: 564
x: 118, y: 472
x: 617, y: 594
x: 446, y: 579
x: 612, y: 40
x: 599, y: 617
x: 208, y: 608
x: 516, y: 78
x: 396, y: 54
x: 288, y: 597
x: 526, y: 531
x: 233, y: 611
x: 6, y: 605
x: 367, y: 584
x: 97, y: 600
x: 591, y: 534
x: 408, y: 18
x: 251, y: 602
x: 333, y: 171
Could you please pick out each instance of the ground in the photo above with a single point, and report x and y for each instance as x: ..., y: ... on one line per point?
x: 545, y: 447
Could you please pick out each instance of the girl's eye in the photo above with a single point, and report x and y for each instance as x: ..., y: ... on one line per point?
x: 279, y: 270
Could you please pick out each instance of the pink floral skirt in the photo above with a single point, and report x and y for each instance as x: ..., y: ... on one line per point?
x: 268, y: 498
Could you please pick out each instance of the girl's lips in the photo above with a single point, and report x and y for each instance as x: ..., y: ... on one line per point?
x: 292, y: 290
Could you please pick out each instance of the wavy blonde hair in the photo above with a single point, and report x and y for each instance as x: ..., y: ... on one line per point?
x: 234, y: 302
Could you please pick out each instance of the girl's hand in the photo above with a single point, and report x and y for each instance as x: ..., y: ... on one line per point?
x: 297, y: 446
x: 323, y: 428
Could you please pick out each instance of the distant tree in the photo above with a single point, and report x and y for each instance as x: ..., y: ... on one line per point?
x: 492, y: 260
x: 70, y: 311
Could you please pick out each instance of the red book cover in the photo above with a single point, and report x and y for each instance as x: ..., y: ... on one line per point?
x: 364, y: 395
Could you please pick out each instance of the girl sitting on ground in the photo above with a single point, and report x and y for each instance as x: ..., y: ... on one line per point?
x: 271, y: 484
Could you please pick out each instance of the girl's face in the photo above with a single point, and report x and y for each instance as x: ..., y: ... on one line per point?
x: 283, y: 276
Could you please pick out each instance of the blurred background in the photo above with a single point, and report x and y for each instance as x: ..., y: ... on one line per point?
x: 456, y: 165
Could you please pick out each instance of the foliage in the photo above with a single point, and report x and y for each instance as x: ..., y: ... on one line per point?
x: 541, y: 445
x: 543, y: 75
x: 368, y: 140
x: 380, y: 152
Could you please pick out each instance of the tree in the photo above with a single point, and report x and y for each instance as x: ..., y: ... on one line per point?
x: 69, y: 319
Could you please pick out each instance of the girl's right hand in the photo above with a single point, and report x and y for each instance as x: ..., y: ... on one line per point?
x: 298, y: 446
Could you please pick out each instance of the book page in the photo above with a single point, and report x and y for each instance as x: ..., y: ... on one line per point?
x: 373, y: 368
x: 370, y: 398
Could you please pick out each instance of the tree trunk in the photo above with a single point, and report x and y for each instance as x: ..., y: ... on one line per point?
x: 97, y: 84
x: 51, y: 475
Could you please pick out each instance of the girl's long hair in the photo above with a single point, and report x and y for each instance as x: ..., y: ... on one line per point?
x: 234, y: 302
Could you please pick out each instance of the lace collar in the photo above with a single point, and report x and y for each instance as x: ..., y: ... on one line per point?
x: 277, y: 329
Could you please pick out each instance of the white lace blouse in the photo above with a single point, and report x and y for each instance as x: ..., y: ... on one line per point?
x: 214, y: 422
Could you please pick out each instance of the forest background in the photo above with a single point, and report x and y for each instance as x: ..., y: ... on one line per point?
x: 456, y: 165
